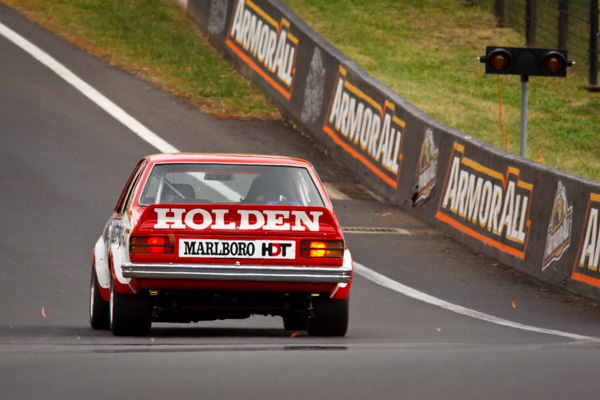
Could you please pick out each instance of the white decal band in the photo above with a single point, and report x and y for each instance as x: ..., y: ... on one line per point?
x: 271, y: 249
x: 277, y: 220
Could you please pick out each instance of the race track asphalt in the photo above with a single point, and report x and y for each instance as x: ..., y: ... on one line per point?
x: 63, y: 163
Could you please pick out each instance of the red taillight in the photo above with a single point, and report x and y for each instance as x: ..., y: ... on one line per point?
x: 151, y: 245
x: 321, y: 248
x: 156, y: 245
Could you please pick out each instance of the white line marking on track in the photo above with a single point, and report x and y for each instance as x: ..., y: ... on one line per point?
x: 417, y: 295
x: 100, y: 100
x: 164, y: 147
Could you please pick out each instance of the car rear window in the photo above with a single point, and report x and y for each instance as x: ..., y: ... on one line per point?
x: 230, y: 184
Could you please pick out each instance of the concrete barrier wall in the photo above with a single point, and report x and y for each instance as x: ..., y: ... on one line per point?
x: 538, y: 220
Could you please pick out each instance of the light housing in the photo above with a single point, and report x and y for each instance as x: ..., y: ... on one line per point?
x: 322, y: 248
x: 151, y: 245
x: 525, y: 61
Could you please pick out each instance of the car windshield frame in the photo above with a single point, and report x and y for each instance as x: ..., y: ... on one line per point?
x: 306, y: 192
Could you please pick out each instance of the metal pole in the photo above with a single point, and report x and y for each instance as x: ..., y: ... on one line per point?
x: 500, y: 14
x: 563, y: 24
x: 524, y: 101
x: 594, y: 43
x: 530, y: 22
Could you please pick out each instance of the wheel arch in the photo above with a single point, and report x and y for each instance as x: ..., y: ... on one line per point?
x: 342, y: 290
x: 101, y: 269
x: 121, y: 284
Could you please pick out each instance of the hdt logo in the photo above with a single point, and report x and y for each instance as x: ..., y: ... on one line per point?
x: 275, y: 249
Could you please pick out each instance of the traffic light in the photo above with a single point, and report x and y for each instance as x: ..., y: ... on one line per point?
x: 525, y: 61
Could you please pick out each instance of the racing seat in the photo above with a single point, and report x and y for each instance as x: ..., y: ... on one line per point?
x: 268, y: 189
x: 178, y: 193
x: 186, y: 190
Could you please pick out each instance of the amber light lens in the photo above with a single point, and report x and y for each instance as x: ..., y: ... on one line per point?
x: 554, y: 62
x: 499, y: 60
x: 322, y: 248
x: 151, y: 245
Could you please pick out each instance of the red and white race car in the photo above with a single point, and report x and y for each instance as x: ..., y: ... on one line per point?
x: 197, y: 237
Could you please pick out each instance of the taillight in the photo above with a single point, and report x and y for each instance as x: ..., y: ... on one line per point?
x: 322, y: 248
x: 151, y: 245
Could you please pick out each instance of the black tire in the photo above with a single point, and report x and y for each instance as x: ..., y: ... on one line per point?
x: 294, y: 322
x: 98, y: 307
x: 329, y: 317
x: 129, y: 315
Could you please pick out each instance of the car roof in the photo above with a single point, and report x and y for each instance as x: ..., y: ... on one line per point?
x: 225, y: 159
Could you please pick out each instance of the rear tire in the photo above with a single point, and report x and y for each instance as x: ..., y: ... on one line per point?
x: 98, y: 307
x: 129, y: 315
x: 294, y: 322
x: 329, y: 317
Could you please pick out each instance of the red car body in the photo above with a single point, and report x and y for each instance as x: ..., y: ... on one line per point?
x: 202, y: 236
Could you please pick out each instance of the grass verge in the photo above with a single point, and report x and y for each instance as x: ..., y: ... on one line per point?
x: 155, y: 40
x: 426, y: 51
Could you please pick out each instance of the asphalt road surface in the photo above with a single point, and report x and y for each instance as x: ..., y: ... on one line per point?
x: 470, y: 329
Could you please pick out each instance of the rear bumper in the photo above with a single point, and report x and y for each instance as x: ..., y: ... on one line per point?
x: 248, y: 273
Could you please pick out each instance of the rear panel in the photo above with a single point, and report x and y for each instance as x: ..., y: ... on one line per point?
x: 237, y: 234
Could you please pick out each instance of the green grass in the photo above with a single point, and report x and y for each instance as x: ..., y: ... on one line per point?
x: 425, y: 50
x: 154, y: 39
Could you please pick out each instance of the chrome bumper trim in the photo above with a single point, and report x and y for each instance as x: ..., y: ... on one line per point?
x: 255, y: 273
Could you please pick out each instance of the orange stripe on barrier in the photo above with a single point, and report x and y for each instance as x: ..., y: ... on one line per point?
x: 362, y: 95
x: 257, y: 69
x: 484, y: 170
x: 494, y: 243
x: 585, y: 279
x: 594, y: 197
x: 263, y: 14
x: 360, y: 158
